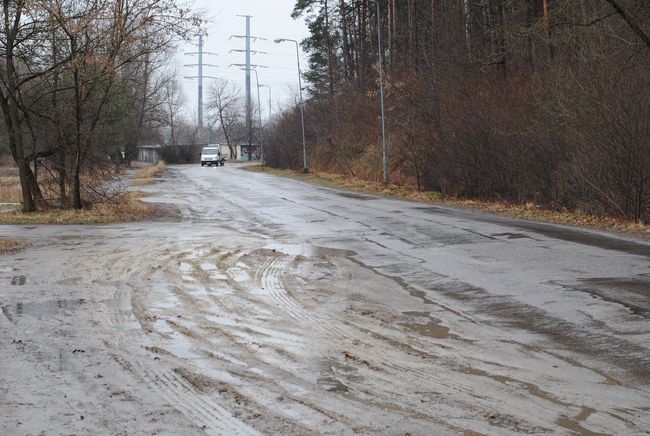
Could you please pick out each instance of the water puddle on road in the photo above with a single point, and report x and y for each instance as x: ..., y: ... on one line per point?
x: 18, y: 280
x: 71, y: 281
x: 308, y: 250
x: 433, y: 328
x: 573, y: 424
x: 120, y: 304
x: 333, y: 374
x: 47, y: 309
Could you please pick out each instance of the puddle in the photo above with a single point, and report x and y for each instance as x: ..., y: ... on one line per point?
x: 573, y: 424
x: 414, y: 313
x: 18, y: 280
x: 308, y: 250
x: 70, y: 237
x: 208, y: 266
x: 119, y: 304
x: 431, y: 329
x: 511, y: 235
x: 70, y: 281
x: 332, y: 384
x: 356, y: 196
x: 333, y: 374
x: 46, y: 309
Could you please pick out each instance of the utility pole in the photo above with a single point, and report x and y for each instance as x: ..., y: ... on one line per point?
x: 247, y: 68
x: 269, y: 87
x: 200, y: 77
x: 381, y: 94
x: 259, y: 85
x: 259, y: 106
x: 305, y: 168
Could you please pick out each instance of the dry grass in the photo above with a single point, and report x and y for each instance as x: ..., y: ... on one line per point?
x: 10, y: 191
x: 125, y: 208
x: 528, y: 211
x: 146, y: 176
x: 7, y: 247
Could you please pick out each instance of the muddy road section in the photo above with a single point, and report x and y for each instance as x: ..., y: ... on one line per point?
x: 274, y: 306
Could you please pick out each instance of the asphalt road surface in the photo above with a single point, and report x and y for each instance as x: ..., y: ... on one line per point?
x: 274, y: 306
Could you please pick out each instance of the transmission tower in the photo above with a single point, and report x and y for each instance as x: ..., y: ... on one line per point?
x: 247, y: 37
x: 200, y: 78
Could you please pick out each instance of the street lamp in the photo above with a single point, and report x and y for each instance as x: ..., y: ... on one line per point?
x: 269, y: 87
x: 259, y: 111
x: 260, y: 105
x: 381, y: 93
x: 305, y: 169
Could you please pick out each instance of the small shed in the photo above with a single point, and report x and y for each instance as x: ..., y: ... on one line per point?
x: 149, y: 153
x: 241, y: 150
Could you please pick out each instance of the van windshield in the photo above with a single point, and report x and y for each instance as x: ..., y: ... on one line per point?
x: 210, y: 151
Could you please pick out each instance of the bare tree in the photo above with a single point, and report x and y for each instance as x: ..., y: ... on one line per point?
x: 225, y: 105
x: 172, y: 107
x: 79, y: 54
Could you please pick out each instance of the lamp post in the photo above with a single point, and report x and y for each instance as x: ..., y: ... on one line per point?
x: 260, y: 105
x: 381, y: 93
x: 305, y: 168
x: 269, y: 87
x: 259, y: 111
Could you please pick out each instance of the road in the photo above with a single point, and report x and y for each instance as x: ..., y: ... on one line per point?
x: 275, y: 306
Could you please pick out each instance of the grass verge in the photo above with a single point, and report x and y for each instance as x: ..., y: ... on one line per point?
x: 147, y: 175
x: 125, y: 208
x: 527, y: 211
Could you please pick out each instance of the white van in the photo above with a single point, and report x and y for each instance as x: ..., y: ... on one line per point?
x: 211, y: 155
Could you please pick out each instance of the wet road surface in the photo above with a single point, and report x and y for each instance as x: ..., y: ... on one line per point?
x: 274, y: 306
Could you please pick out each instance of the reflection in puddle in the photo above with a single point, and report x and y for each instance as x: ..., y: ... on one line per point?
x: 18, y: 280
x: 309, y: 250
x: 47, y: 308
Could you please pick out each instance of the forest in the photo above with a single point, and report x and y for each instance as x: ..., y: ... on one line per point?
x: 543, y: 101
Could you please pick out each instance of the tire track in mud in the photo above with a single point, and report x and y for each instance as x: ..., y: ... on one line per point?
x: 268, y: 276
x: 266, y: 282
x: 199, y: 408
x: 241, y: 336
x: 196, y: 406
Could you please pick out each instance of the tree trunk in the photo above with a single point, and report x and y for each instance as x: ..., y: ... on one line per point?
x: 328, y: 39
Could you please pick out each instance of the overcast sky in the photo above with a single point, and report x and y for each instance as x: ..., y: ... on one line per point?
x: 271, y: 19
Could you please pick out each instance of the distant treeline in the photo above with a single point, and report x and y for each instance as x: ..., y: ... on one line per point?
x: 521, y: 100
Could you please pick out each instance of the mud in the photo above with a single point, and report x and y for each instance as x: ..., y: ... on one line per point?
x: 280, y: 308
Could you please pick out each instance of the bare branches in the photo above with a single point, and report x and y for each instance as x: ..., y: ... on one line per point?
x: 630, y: 22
